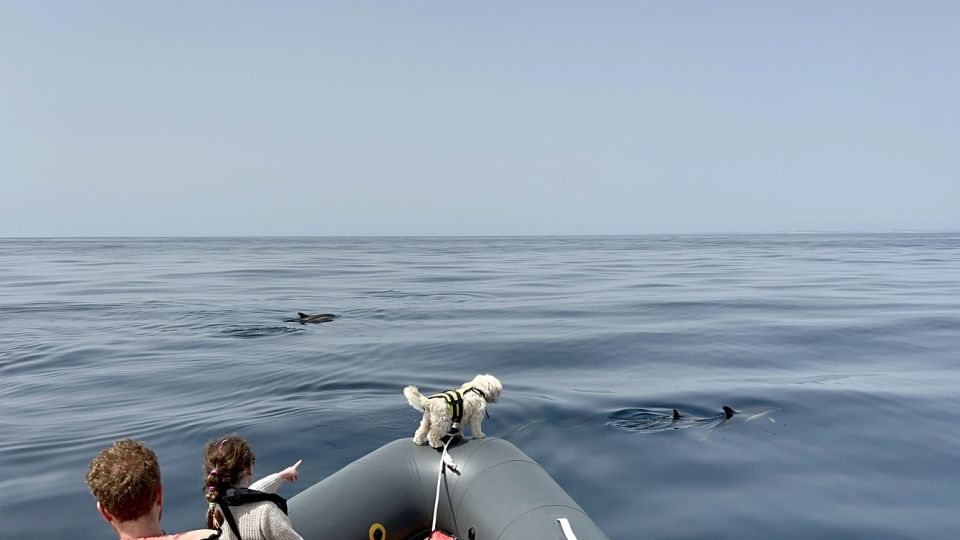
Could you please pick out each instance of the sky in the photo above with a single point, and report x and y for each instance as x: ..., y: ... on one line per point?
x: 236, y: 118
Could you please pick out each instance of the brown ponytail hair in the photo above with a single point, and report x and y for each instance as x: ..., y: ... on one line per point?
x: 225, y: 460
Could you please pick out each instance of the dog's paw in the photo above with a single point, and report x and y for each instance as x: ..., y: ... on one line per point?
x: 418, y: 442
x: 479, y: 435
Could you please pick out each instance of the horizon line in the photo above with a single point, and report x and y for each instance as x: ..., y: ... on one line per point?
x: 568, y: 235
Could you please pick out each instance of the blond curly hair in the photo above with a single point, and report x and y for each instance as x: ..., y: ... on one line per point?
x: 125, y: 479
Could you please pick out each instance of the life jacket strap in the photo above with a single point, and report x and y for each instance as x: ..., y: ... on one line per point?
x: 454, y: 399
x: 241, y: 496
x: 478, y: 391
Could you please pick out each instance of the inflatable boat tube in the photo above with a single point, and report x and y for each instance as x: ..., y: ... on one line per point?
x: 499, y: 494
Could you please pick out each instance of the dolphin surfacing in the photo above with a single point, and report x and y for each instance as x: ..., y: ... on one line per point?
x: 313, y: 319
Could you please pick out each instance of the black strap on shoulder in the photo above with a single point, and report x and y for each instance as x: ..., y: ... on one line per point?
x: 480, y: 393
x: 241, y: 496
x: 228, y: 517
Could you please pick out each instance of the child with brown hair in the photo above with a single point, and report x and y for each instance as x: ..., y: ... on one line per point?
x: 252, y: 511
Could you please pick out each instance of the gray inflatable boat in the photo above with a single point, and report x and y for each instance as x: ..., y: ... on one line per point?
x: 496, y: 493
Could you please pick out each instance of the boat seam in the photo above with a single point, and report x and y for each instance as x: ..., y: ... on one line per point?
x: 534, y: 510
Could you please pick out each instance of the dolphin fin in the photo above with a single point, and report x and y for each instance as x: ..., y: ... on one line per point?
x: 728, y: 412
x: 676, y: 415
x: 303, y: 315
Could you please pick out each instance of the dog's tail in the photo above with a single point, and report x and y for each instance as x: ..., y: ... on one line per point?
x: 416, y: 400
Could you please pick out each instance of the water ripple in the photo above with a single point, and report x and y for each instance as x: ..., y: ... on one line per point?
x: 850, y: 339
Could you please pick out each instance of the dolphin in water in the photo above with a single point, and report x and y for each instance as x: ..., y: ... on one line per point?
x: 652, y: 420
x: 728, y: 413
x: 313, y: 319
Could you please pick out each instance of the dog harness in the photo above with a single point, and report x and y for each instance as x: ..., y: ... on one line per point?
x: 454, y: 399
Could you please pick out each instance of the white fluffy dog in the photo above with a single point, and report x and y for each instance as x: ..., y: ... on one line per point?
x: 439, y: 413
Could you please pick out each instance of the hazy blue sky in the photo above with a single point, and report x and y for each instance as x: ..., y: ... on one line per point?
x: 128, y: 118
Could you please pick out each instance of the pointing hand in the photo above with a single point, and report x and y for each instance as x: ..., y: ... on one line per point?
x: 291, y: 473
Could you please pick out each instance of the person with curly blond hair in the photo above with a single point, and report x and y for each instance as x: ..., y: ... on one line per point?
x: 125, y: 480
x: 240, y: 508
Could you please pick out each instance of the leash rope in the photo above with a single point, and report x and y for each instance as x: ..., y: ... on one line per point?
x: 445, y: 461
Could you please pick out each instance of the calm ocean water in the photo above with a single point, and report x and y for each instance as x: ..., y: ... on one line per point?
x: 839, y: 351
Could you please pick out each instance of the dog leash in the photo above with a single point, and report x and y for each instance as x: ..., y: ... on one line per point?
x: 445, y: 461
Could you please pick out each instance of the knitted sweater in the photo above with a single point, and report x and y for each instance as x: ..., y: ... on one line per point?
x: 200, y: 534
x: 262, y: 520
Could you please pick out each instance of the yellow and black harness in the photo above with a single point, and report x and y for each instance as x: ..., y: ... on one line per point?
x: 454, y: 399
